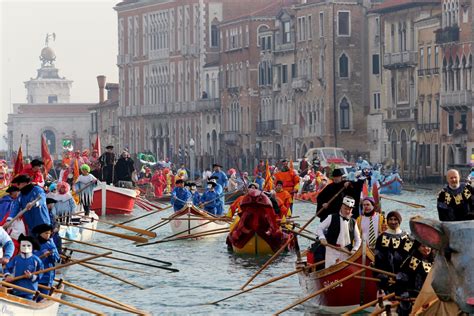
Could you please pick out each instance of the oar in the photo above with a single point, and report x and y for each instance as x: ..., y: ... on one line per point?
x: 372, y: 269
x: 142, y: 216
x: 125, y: 253
x: 267, y: 282
x: 318, y: 292
x: 92, y: 300
x: 104, y: 273
x: 343, y: 250
x: 151, y: 203
x: 414, y: 205
x: 184, y: 231
x: 111, y: 266
x: 20, y: 214
x: 217, y: 219
x: 52, y: 298
x: 305, y: 201
x: 60, y: 266
x: 299, y: 234
x: 130, y: 228
x: 123, y: 236
x: 202, y: 234
x: 369, y: 304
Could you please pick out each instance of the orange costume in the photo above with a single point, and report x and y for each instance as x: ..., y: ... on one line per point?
x: 290, y: 181
x: 284, y: 202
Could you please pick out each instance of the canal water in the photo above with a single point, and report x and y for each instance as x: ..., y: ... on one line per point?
x: 207, y: 270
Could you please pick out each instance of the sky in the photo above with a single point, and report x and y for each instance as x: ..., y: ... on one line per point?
x: 85, y: 46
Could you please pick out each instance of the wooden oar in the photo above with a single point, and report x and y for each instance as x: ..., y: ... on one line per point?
x: 142, y: 216
x: 217, y: 219
x: 318, y: 292
x: 52, y: 298
x: 125, y: 253
x: 130, y: 228
x: 369, y: 304
x: 268, y: 282
x: 394, y: 275
x: 343, y: 250
x: 123, y: 236
x: 151, y: 203
x: 60, y: 266
x: 197, y: 235
x: 414, y: 205
x: 92, y: 300
x: 299, y: 234
x: 184, y: 231
x: 111, y: 266
x: 20, y: 214
x: 305, y: 201
x: 104, y: 273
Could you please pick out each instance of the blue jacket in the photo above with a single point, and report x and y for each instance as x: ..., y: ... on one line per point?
x: 17, y: 266
x: 7, y: 244
x: 196, y: 198
x: 213, y: 198
x: 179, y: 197
x: 37, y: 215
x: 48, y: 262
x: 5, y: 206
x: 221, y: 178
x: 260, y: 181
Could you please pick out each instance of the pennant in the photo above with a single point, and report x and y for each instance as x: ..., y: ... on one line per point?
x: 268, y: 186
x: 18, y: 167
x: 47, y: 160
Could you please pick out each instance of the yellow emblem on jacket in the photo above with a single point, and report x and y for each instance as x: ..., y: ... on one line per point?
x: 408, y: 245
x: 385, y: 241
x: 426, y: 266
x: 458, y: 199
x: 414, y: 262
x: 467, y: 193
x: 395, y: 242
x: 447, y: 198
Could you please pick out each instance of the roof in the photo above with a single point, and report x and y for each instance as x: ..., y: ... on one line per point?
x: 396, y: 5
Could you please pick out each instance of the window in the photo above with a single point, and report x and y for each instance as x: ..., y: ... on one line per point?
x: 450, y: 123
x: 377, y: 27
x: 286, y: 32
x: 428, y: 155
x: 376, y: 100
x: 344, y: 114
x: 343, y: 23
x: 321, y: 24
x: 52, y: 99
x: 284, y: 74
x: 214, y: 36
x: 269, y: 43
x: 343, y: 66
x: 422, y: 58
x: 428, y: 58
x: 436, y: 57
x: 375, y: 64
x: 310, y: 27
x: 293, y: 71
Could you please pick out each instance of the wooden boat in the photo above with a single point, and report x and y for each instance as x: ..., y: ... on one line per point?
x: 391, y: 185
x: 75, y: 232
x: 165, y: 198
x: 13, y: 305
x: 117, y: 200
x: 344, y: 297
x: 191, y: 221
x: 230, y: 197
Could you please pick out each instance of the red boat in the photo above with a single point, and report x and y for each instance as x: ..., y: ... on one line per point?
x: 346, y: 296
x: 117, y: 200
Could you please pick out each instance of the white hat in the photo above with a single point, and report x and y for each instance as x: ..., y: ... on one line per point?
x: 348, y: 201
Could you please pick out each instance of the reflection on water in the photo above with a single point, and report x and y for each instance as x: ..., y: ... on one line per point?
x: 208, y: 271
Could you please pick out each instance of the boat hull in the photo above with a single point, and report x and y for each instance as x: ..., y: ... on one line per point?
x: 75, y: 232
x: 118, y: 200
x: 255, y: 246
x: 14, y: 305
x: 186, y: 223
x: 393, y: 186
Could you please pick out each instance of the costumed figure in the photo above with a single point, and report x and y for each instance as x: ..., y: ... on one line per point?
x: 370, y: 187
x: 107, y: 163
x: 18, y: 226
x: 233, y: 180
x: 284, y: 200
x: 48, y: 253
x: 260, y: 168
x: 179, y: 196
x: 182, y: 173
x: 33, y: 170
x: 85, y: 184
x: 7, y: 248
x: 455, y: 201
x: 220, y: 175
x: 220, y: 191
x: 94, y: 163
x: 159, y: 183
x: 210, y: 199
x: 371, y: 223
x: 290, y: 179
x: 5, y: 177
x: 169, y: 176
x: 50, y: 203
x: 124, y: 169
x: 195, y: 196
x: 65, y: 205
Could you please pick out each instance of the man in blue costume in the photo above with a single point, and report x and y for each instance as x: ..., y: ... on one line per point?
x: 195, y: 196
x: 25, y: 264
x: 179, y: 195
x: 220, y: 175
x: 33, y: 199
x: 210, y: 199
x: 220, y: 192
x: 6, y: 203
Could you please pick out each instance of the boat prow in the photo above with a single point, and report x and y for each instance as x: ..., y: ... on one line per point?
x: 117, y: 200
x: 14, y: 305
x: 193, y: 221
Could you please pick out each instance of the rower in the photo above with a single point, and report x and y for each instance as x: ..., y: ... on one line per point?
x: 371, y: 224
x: 455, y: 200
x: 180, y: 195
x: 195, y: 196
x: 285, y: 199
x: 220, y: 191
x: 220, y: 175
x: 339, y: 230
x: 210, y: 199
x: 289, y: 178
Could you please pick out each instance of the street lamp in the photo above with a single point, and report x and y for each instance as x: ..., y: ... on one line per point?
x: 191, y: 157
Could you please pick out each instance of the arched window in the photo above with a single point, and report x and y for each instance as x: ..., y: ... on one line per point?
x: 344, y: 111
x: 343, y: 66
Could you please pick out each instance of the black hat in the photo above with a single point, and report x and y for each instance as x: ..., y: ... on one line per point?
x: 190, y: 184
x: 22, y: 178
x: 36, y: 163
x: 12, y: 188
x: 213, y: 177
x: 50, y: 200
x: 42, y: 228
x: 33, y: 241
x: 109, y: 147
x: 212, y: 183
x: 337, y: 173
x: 279, y: 182
x: 216, y: 165
x: 179, y: 181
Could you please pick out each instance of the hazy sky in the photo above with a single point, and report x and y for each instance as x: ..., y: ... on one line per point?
x: 85, y: 46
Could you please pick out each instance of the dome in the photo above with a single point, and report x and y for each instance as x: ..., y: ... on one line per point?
x: 48, y: 54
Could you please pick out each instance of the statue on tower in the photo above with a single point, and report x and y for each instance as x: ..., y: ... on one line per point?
x: 47, y: 53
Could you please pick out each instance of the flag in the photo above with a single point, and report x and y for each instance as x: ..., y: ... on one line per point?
x: 75, y: 170
x: 268, y: 186
x: 47, y: 160
x: 97, y: 145
x: 18, y: 167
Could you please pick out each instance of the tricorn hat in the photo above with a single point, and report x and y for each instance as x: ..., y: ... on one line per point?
x: 337, y: 173
x: 216, y: 165
x: 109, y: 147
x: 22, y: 178
x: 36, y: 163
x: 42, y: 228
x: 12, y: 188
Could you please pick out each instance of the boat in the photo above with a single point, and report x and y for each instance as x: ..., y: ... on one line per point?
x: 344, y: 297
x: 165, y: 198
x: 391, y: 184
x: 256, y: 231
x: 230, y: 197
x: 193, y: 221
x: 117, y: 200
x: 328, y: 157
x: 75, y: 231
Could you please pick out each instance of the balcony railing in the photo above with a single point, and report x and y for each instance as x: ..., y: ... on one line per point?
x: 427, y: 126
x: 284, y: 47
x: 231, y: 137
x: 208, y: 104
x: 271, y: 127
x: 456, y: 100
x: 447, y: 35
x: 400, y: 59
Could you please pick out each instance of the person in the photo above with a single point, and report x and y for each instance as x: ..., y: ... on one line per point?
x: 195, y: 196
x: 304, y: 166
x: 206, y: 175
x: 371, y: 224
x: 7, y: 247
x: 210, y: 199
x: 234, y: 183
x: 220, y: 175
x: 107, y: 163
x: 220, y: 191
x: 65, y: 205
x: 455, y: 200
x: 94, y: 163
x: 260, y: 168
x: 24, y: 264
x: 33, y: 170
x: 234, y: 207
x: 339, y: 230
x: 284, y: 199
x: 290, y: 179
x: 387, y: 254
x: 260, y: 181
x: 85, y: 184
x: 48, y: 253
x: 33, y: 199
x: 159, y: 182
x: 182, y: 172
x: 50, y: 203
x: 124, y: 169
x: 179, y: 195
x: 7, y: 201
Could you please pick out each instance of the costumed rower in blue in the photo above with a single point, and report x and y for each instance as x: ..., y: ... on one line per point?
x: 25, y: 263
x: 220, y: 192
x: 210, y: 198
x: 6, y: 203
x: 37, y: 213
x: 48, y: 253
x: 195, y: 196
x: 179, y: 195
x: 50, y: 203
x: 220, y: 175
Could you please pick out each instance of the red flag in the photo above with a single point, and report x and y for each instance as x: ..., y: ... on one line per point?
x: 18, y: 168
x: 47, y: 160
x: 97, y: 145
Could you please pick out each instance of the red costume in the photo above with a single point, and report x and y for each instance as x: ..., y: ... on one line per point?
x: 159, y: 182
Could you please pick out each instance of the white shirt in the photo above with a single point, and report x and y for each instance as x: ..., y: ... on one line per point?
x: 343, y: 239
x: 365, y: 224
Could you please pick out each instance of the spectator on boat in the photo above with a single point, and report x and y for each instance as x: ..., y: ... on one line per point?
x: 195, y: 196
x: 284, y: 197
x: 107, y: 163
x: 84, y: 185
x: 289, y: 177
x: 65, y: 205
x: 48, y: 253
x: 33, y: 170
x: 220, y: 191
x: 6, y: 202
x: 220, y: 175
x: 339, y: 230
x: 371, y: 224
x: 25, y: 264
x: 233, y: 183
x: 124, y: 169
x: 456, y: 199
x: 33, y: 199
x: 95, y: 164
x: 388, y: 256
x: 210, y: 199
x: 180, y: 195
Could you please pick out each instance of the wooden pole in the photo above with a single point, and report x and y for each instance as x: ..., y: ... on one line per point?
x: 197, y: 235
x: 130, y: 228
x: 20, y: 214
x: 414, y: 205
x: 123, y: 236
x: 140, y: 217
x: 372, y: 269
x: 361, y: 308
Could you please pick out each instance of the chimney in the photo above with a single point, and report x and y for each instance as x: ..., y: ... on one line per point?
x: 101, y: 83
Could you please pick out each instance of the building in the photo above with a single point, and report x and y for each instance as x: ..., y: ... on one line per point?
x: 48, y: 113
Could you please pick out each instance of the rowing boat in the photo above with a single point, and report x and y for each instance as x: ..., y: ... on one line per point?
x: 74, y: 231
x: 191, y: 221
x: 14, y: 305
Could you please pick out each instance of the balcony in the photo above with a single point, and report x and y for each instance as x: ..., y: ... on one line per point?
x: 447, y: 35
x: 427, y: 127
x: 459, y: 137
x: 400, y: 59
x: 189, y: 50
x: 300, y: 84
x: 209, y: 105
x: 281, y: 48
x: 231, y: 138
x: 456, y: 100
x: 266, y: 128
x: 233, y: 90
